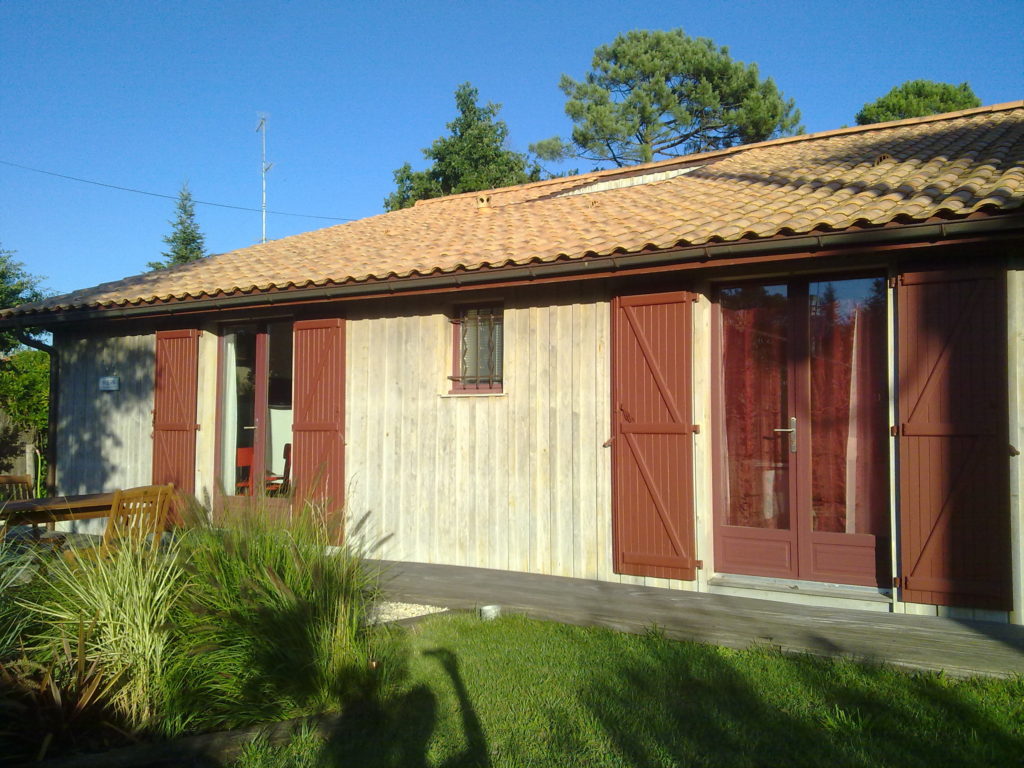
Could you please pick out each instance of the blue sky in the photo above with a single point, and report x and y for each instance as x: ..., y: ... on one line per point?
x: 148, y: 95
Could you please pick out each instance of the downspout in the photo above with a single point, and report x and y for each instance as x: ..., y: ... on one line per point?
x: 51, y: 422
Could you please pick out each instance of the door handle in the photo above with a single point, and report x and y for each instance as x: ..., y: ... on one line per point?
x: 791, y: 430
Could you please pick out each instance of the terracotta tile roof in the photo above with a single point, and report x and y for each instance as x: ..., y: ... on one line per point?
x: 946, y: 165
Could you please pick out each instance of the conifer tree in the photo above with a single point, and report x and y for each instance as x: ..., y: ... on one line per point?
x: 656, y: 94
x: 473, y: 157
x: 918, y: 98
x: 186, y: 242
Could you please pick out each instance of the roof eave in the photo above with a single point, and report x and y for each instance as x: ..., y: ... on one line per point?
x: 931, y: 232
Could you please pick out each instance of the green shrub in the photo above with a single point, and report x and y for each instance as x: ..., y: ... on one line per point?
x: 275, y: 624
x: 256, y: 620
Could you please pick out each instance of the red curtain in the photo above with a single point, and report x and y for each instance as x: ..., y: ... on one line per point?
x: 755, y: 364
x: 848, y: 413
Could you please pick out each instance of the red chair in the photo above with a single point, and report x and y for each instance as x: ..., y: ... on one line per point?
x: 243, y: 461
x: 273, y: 485
x: 277, y: 485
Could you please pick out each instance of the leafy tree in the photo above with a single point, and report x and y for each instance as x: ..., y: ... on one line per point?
x: 663, y: 93
x: 472, y: 158
x: 918, y: 98
x: 25, y: 374
x: 186, y: 241
x: 16, y: 287
x: 25, y: 391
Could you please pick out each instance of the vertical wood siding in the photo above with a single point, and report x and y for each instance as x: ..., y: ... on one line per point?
x: 1015, y: 368
x: 104, y: 439
x: 519, y: 481
x: 206, y: 416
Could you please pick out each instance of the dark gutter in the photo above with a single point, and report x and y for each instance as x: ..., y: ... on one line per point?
x: 622, y: 263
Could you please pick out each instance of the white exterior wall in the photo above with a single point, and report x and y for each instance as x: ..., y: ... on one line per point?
x: 206, y: 418
x: 517, y: 481
x: 104, y: 439
x: 1015, y: 358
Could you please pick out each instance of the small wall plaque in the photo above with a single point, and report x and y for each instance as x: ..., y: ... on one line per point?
x: 110, y: 383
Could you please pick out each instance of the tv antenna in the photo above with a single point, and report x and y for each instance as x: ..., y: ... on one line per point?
x: 261, y: 128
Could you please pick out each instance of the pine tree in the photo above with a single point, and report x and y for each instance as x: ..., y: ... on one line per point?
x: 186, y: 241
x: 658, y: 94
x: 918, y: 98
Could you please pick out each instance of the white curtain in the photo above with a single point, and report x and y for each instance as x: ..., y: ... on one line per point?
x: 229, y: 438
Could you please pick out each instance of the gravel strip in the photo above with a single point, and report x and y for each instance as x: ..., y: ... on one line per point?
x: 386, y: 612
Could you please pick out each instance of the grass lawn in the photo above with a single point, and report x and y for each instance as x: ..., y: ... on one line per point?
x: 517, y: 692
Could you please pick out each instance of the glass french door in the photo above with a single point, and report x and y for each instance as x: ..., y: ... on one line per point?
x: 803, y: 476
x: 256, y: 410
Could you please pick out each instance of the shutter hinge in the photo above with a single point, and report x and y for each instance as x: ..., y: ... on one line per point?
x: 608, y: 443
x: 698, y: 564
x: 696, y: 429
x: 892, y: 281
x: 1014, y: 451
x: 894, y: 431
x: 900, y: 582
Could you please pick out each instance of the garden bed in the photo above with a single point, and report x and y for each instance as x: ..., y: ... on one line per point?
x: 256, y: 621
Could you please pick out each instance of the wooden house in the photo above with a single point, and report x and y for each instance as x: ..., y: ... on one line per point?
x: 792, y: 369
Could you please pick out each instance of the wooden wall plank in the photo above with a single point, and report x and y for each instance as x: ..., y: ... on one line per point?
x: 518, y: 480
x: 1015, y: 367
x: 104, y: 439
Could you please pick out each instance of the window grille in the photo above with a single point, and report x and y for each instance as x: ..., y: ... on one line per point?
x: 478, y: 345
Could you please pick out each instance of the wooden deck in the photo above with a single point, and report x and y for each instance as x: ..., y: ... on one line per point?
x: 957, y: 647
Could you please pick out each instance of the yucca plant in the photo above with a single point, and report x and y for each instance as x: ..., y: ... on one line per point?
x: 126, y: 598
x: 60, y: 704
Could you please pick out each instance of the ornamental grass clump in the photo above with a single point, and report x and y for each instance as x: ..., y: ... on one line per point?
x: 275, y: 623
x: 125, y: 600
x: 15, y: 569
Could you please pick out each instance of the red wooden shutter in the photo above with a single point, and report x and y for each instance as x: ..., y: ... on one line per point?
x: 652, y: 516
x: 953, y: 441
x: 318, y: 450
x: 174, y: 409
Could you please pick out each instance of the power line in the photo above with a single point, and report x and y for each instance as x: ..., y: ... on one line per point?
x: 168, y: 197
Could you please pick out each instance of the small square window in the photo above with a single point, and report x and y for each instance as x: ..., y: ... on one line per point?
x: 477, y: 344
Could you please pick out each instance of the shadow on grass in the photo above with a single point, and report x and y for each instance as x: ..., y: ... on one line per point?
x: 572, y: 698
x: 399, y: 735
x: 669, y: 703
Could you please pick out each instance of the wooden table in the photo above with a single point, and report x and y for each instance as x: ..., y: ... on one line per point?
x: 57, y: 509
